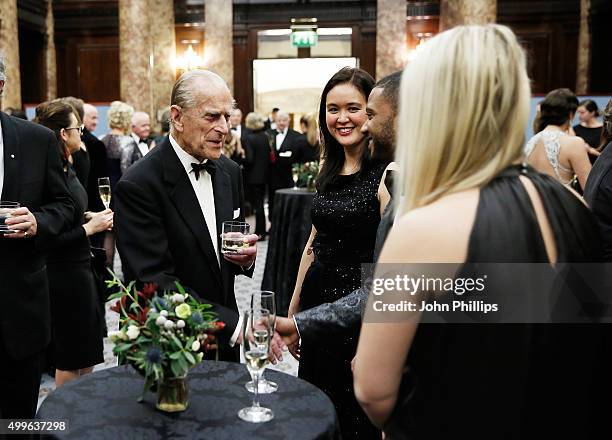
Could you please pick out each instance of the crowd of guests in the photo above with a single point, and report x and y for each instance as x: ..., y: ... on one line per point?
x: 401, y: 182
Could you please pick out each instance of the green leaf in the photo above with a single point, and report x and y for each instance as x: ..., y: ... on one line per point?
x: 180, y: 288
x: 176, y: 341
x: 176, y: 368
x: 189, y: 357
x: 120, y: 348
x: 175, y: 355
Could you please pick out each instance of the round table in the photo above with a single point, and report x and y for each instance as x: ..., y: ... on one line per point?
x: 103, y: 405
x: 291, y: 226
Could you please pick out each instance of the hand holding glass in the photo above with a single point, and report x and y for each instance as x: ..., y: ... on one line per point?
x: 256, y: 334
x: 232, y: 236
x: 6, y: 210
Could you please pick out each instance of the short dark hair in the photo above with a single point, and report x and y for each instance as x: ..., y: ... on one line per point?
x: 332, y: 151
x: 590, y: 106
x: 55, y: 115
x: 390, y: 85
x: 556, y: 107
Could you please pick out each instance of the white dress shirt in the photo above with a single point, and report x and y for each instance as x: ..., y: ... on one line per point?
x: 142, y: 146
x: 280, y: 137
x: 203, y: 189
x: 237, y: 130
x: 204, y: 192
x: 1, y: 161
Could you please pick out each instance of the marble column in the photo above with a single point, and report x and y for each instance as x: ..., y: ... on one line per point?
x: 9, y: 48
x: 391, y: 39
x: 458, y: 12
x: 218, y: 43
x: 135, y: 54
x: 164, y: 52
x: 584, y: 50
x: 50, y: 57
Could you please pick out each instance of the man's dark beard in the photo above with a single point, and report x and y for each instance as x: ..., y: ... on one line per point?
x: 384, y: 145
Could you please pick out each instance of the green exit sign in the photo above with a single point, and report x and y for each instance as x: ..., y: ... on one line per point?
x: 304, y: 38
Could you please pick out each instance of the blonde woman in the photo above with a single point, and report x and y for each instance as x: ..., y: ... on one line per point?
x: 466, y: 199
x: 312, y: 150
x: 118, y: 139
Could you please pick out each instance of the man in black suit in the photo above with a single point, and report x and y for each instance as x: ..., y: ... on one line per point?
x: 171, y: 204
x: 97, y: 157
x: 237, y: 127
x: 31, y: 174
x: 285, y: 147
x: 343, y: 317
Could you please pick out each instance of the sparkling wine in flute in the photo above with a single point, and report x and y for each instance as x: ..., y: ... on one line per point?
x: 105, y: 195
x: 256, y: 359
x: 261, y: 338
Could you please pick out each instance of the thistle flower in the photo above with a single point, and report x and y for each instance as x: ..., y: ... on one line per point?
x: 196, y: 317
x: 154, y: 355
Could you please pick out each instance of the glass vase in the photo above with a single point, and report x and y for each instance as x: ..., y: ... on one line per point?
x: 172, y: 394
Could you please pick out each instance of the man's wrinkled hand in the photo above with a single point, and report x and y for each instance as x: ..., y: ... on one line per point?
x: 23, y: 222
x: 245, y: 256
x: 277, y: 346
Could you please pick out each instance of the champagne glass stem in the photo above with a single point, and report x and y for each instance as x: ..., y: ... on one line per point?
x: 255, y: 379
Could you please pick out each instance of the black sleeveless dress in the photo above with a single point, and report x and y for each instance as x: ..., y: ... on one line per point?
x: 346, y: 217
x: 508, y: 381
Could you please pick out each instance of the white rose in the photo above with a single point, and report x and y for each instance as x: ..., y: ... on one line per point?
x: 164, y: 313
x: 116, y: 336
x: 133, y: 332
x: 195, y: 346
x: 178, y: 298
x: 180, y: 323
x: 169, y: 325
x: 161, y: 320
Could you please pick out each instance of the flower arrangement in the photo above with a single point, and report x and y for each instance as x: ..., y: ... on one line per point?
x: 307, y: 174
x: 161, y: 334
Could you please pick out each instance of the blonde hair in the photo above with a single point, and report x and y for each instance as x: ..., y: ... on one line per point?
x: 254, y: 121
x: 312, y: 128
x: 120, y: 116
x: 477, y: 75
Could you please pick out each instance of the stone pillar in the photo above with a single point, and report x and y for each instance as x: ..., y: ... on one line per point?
x: 9, y: 47
x: 391, y: 49
x: 218, y: 45
x: 50, y: 58
x: 458, y: 12
x: 584, y: 50
x: 135, y: 54
x: 164, y: 52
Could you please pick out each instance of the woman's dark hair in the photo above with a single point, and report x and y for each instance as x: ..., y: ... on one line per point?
x: 55, y: 115
x: 332, y: 152
x: 590, y: 106
x: 606, y: 132
x: 556, y: 107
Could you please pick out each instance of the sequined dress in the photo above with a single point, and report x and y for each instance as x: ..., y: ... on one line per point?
x: 346, y: 218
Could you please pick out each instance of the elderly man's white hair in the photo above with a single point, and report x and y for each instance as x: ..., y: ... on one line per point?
x: 139, y: 116
x: 282, y: 114
x: 185, y: 92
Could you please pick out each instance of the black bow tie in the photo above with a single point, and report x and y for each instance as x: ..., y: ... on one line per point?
x: 208, y: 166
x: 234, y: 128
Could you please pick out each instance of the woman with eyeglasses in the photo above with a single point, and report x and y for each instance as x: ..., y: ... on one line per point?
x: 76, y: 319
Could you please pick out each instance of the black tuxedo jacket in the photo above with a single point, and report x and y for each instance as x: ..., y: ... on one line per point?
x: 98, y: 167
x: 162, y: 235
x: 33, y: 176
x: 285, y: 156
x: 257, y: 149
x: 598, y: 195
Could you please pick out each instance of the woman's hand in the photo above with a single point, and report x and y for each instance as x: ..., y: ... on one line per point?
x: 99, y: 222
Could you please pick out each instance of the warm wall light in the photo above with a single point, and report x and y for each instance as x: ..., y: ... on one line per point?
x: 421, y: 38
x: 190, y: 60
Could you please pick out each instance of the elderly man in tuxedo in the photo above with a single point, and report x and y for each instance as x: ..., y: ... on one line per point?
x: 170, y: 205
x: 344, y: 315
x: 30, y: 174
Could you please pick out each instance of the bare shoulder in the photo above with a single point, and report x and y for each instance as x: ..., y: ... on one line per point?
x: 438, y: 232
x: 573, y: 142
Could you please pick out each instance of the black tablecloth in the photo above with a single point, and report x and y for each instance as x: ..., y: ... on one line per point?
x: 291, y: 227
x: 103, y: 406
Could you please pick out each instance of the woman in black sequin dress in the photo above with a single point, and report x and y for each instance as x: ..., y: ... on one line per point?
x: 345, y: 214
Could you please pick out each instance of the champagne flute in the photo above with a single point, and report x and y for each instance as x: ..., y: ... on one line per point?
x: 105, y: 190
x: 264, y: 300
x: 295, y: 174
x: 256, y: 334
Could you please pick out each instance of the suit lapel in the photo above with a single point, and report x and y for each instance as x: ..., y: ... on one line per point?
x: 223, y: 198
x: 184, y: 198
x: 10, y: 188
